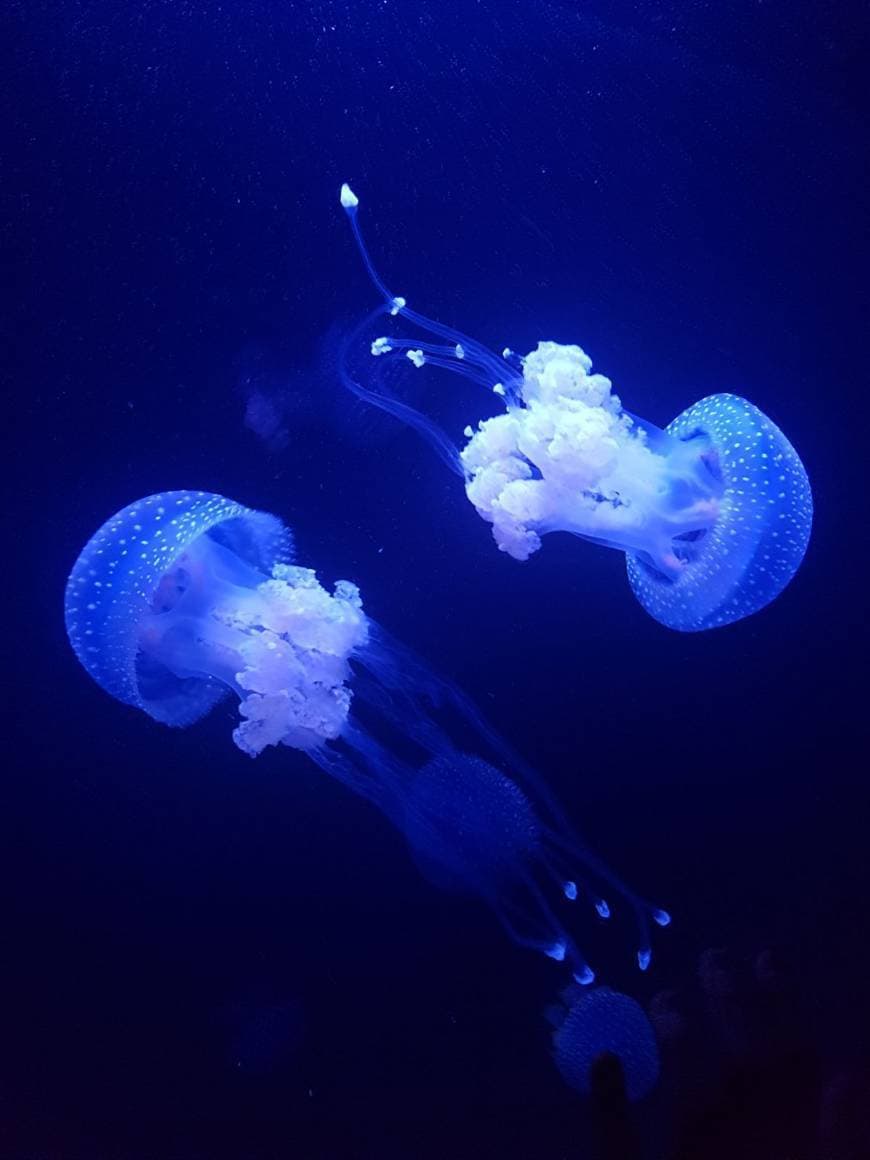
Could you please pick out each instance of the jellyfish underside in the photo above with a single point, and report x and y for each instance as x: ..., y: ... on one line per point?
x: 313, y: 673
x: 713, y: 513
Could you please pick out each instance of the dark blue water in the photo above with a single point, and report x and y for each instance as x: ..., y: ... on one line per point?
x: 206, y: 955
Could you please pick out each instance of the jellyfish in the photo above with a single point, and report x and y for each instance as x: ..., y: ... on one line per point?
x: 261, y: 1036
x: 599, y: 1022
x: 713, y: 512
x: 184, y: 598
x: 472, y: 827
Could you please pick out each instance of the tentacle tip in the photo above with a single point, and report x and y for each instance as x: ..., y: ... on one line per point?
x: 584, y: 976
x: 381, y: 346
x: 644, y: 958
x: 556, y: 951
x: 570, y: 890
x: 416, y: 357
x: 349, y: 200
x: 396, y: 304
x: 603, y: 909
x: 661, y: 918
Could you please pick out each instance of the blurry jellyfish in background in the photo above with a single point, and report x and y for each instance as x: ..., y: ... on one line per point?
x: 184, y: 598
x: 596, y: 1023
x: 265, y: 418
x: 276, y: 391
x: 262, y: 1036
x: 472, y: 828
x: 714, y: 512
x: 279, y: 387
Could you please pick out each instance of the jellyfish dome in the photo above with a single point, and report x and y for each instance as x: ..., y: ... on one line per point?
x: 602, y: 1022
x: 146, y: 563
x: 713, y: 513
x: 184, y: 598
x: 467, y: 821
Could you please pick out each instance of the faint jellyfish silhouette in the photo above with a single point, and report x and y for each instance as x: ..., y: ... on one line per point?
x: 261, y: 1035
x: 713, y: 513
x: 472, y: 827
x: 601, y: 1022
x: 185, y: 597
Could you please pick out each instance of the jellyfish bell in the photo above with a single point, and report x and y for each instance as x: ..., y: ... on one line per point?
x: 591, y: 1025
x: 147, y: 561
x: 713, y: 513
x: 466, y: 821
x: 184, y: 598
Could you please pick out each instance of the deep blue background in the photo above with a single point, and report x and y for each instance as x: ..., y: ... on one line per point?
x: 676, y: 187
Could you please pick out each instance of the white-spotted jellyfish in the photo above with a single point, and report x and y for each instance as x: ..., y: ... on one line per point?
x: 713, y: 513
x: 591, y: 1024
x: 186, y: 597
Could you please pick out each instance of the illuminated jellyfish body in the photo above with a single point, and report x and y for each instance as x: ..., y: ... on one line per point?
x: 184, y: 598
x: 714, y: 512
x: 592, y: 1024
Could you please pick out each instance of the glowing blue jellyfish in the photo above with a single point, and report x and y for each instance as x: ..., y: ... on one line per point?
x: 714, y: 512
x: 184, y: 598
x: 604, y: 1022
x: 471, y: 826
